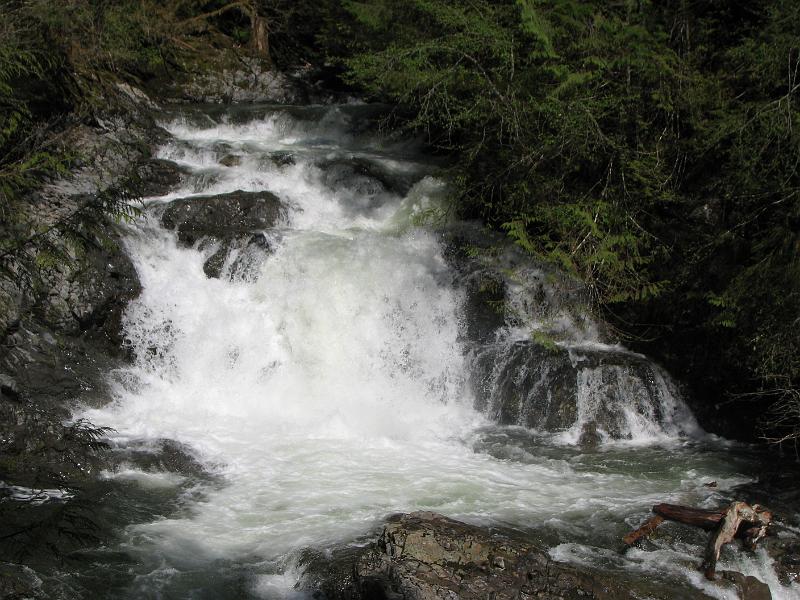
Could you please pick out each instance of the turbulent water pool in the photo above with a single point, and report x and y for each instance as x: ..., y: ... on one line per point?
x: 319, y: 385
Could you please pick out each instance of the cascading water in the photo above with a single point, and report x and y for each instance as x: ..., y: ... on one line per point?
x: 327, y: 384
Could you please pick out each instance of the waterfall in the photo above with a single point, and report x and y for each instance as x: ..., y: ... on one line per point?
x: 323, y: 379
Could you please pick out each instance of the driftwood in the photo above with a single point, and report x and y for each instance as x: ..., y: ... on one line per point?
x: 738, y: 521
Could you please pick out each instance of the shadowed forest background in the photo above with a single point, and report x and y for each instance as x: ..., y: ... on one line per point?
x: 650, y: 149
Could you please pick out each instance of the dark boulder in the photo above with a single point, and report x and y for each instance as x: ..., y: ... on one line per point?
x: 222, y: 217
x: 158, y: 177
x: 747, y: 587
x: 354, y: 172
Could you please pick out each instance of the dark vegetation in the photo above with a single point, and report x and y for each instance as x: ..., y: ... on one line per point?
x: 648, y: 148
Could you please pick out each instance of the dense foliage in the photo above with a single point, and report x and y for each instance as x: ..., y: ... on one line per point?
x: 650, y: 148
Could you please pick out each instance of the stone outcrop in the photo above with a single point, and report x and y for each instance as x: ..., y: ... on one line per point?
x: 233, y: 78
x: 58, y: 336
x: 229, y: 227
x: 542, y: 386
x: 426, y: 556
x: 541, y: 360
x: 222, y: 216
x: 61, y: 329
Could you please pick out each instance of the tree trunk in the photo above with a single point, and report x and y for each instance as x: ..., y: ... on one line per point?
x: 698, y: 517
x: 259, y: 27
x: 259, y: 39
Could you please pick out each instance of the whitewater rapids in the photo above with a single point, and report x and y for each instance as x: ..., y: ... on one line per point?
x: 327, y: 385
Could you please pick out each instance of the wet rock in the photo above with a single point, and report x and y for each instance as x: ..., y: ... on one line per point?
x: 505, y: 286
x: 426, y: 556
x: 212, y: 267
x: 222, y: 217
x: 8, y: 387
x: 778, y: 486
x: 91, y: 294
x: 589, y: 438
x: 241, y: 253
x: 370, y: 177
x: 539, y: 385
x: 536, y: 353
x: 746, y: 586
x: 159, y: 177
x: 18, y: 583
x: 230, y: 160
x: 164, y: 455
x: 282, y: 159
x: 784, y: 550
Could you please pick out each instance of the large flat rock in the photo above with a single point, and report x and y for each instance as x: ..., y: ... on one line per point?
x: 426, y: 556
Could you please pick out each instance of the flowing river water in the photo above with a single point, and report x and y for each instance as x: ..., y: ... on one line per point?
x: 314, y: 388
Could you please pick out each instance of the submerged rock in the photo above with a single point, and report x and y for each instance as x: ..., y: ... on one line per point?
x: 230, y: 160
x: 426, y: 556
x: 589, y: 439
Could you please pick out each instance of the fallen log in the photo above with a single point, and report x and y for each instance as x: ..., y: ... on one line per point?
x: 738, y: 521
x: 697, y: 517
x: 649, y: 527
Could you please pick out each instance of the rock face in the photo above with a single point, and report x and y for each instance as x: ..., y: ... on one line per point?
x: 552, y: 388
x: 538, y: 359
x: 234, y: 79
x: 60, y: 335
x: 746, y: 587
x: 426, y: 556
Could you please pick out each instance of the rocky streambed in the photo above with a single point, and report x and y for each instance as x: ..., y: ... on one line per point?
x: 291, y: 343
